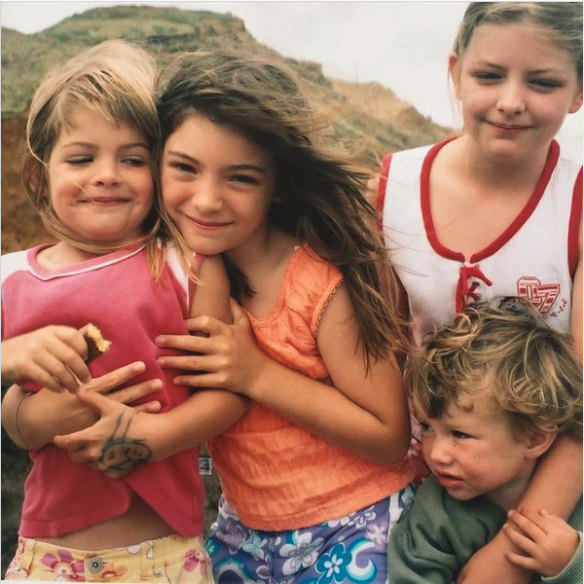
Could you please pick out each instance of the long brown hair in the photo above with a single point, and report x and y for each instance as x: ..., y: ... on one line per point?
x: 319, y: 191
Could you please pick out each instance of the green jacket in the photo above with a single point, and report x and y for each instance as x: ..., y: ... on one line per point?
x: 438, y: 534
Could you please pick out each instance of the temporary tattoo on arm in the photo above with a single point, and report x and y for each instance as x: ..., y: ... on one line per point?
x: 123, y: 454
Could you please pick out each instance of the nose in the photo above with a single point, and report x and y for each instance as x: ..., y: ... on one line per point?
x: 207, y: 195
x: 511, y: 99
x: 107, y: 172
x: 437, y: 450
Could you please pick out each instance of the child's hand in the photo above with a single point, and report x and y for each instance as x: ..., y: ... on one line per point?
x: 47, y: 413
x: 227, y: 357
x: 546, y: 542
x: 52, y: 356
x: 107, y: 445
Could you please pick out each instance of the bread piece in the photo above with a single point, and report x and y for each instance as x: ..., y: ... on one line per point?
x: 96, y: 344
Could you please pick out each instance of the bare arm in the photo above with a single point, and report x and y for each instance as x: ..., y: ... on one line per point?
x: 365, y: 414
x: 200, y: 418
x: 31, y: 420
x: 556, y: 485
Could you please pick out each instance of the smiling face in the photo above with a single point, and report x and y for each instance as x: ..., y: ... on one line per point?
x: 217, y: 186
x: 515, y: 86
x: 472, y: 451
x: 100, y: 179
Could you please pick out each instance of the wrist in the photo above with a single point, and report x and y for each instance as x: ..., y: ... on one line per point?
x: 30, y: 430
x: 19, y: 438
x: 267, y: 372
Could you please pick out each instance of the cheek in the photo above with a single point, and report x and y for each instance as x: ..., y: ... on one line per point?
x: 170, y: 195
x: 426, y: 446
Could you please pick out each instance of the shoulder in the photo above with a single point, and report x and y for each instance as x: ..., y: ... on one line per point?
x: 308, y: 263
x: 432, y: 502
x: 313, y: 282
x: 13, y: 262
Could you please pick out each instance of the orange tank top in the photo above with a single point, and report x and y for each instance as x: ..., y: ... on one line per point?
x: 276, y: 475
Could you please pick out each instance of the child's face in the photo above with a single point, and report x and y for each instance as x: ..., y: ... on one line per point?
x: 516, y: 87
x: 474, y: 452
x: 217, y: 186
x: 100, y: 179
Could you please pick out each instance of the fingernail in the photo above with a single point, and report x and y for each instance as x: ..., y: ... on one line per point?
x: 160, y: 340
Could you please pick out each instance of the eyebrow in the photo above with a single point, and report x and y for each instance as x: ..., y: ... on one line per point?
x: 544, y: 71
x: 245, y: 166
x: 91, y: 144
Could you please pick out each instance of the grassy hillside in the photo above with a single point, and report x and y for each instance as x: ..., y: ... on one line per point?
x: 375, y: 118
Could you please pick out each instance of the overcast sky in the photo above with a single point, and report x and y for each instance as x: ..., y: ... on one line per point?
x: 402, y: 45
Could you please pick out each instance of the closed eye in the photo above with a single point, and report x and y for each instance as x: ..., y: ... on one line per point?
x: 136, y: 161
x: 486, y: 76
x: 76, y: 160
x: 245, y: 179
x: 546, y: 84
x: 183, y: 167
x: 460, y: 435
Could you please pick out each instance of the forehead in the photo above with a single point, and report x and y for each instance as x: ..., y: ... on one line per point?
x: 518, y: 43
x: 475, y: 402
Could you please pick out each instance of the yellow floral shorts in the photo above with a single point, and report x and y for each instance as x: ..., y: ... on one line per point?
x: 173, y: 559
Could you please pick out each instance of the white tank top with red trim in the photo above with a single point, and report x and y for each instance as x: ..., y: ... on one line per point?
x: 534, y: 258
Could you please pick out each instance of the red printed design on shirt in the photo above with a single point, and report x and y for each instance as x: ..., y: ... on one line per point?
x: 542, y: 296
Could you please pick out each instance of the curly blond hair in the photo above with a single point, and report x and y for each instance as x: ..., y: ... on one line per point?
x: 531, y: 370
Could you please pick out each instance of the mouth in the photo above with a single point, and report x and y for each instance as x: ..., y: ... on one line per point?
x: 208, y: 225
x: 448, y: 481
x: 509, y: 127
x: 107, y: 200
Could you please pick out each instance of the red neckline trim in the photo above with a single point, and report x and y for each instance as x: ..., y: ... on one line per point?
x: 381, y: 188
x: 574, y: 229
x: 508, y: 233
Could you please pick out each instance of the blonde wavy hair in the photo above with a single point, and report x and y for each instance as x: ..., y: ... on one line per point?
x: 116, y: 79
x: 562, y: 21
x: 531, y: 370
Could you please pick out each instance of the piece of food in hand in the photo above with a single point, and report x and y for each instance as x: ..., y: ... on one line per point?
x: 96, y: 343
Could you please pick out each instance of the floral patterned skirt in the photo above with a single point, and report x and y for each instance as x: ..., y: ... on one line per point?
x: 348, y: 549
x: 175, y: 559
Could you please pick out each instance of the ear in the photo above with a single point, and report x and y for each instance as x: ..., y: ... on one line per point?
x: 538, y: 443
x: 454, y: 72
x: 577, y: 102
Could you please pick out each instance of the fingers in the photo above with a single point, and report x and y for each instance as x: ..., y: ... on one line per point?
x: 188, y: 343
x: 206, y: 325
x: 44, y: 379
x: 529, y: 524
x: 186, y: 362
x: 132, y: 393
x: 525, y: 562
x: 152, y: 407
x: 115, y: 378
x: 70, y: 349
x: 73, y: 443
x: 94, y: 400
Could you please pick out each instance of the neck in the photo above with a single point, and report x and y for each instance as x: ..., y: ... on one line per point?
x: 262, y: 254
x: 496, y: 172
x: 64, y: 254
x: 510, y: 494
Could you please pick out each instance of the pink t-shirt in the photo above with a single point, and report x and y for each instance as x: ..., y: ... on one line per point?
x: 117, y: 293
